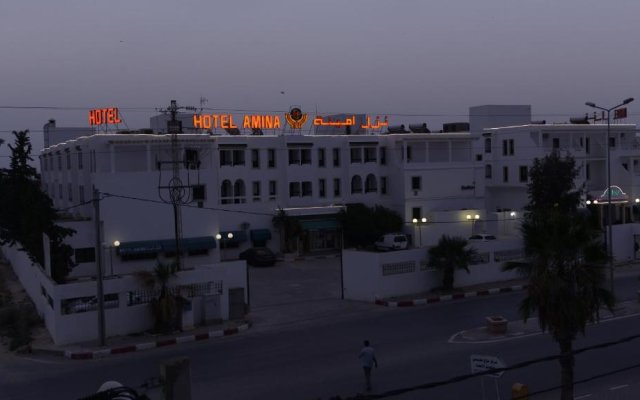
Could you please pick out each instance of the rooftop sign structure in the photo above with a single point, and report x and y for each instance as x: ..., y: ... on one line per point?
x: 104, y: 116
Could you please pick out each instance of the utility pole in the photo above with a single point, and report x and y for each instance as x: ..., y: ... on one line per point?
x: 179, y: 192
x: 96, y: 217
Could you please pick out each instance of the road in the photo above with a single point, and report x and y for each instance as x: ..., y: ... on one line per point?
x: 318, y: 359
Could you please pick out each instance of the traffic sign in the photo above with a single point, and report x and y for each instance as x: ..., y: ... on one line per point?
x: 480, y: 363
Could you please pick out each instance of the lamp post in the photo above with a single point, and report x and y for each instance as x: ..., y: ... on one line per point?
x: 419, y: 222
x: 609, y: 208
x: 473, y: 219
x: 116, y: 244
x: 221, y: 241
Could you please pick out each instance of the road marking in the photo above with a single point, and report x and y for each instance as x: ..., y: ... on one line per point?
x: 618, y: 387
x: 584, y: 396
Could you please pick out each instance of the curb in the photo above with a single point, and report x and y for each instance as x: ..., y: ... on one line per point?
x: 447, y: 297
x: 102, y: 353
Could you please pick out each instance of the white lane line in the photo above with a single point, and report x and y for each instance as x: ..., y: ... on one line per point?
x: 617, y: 387
x: 584, y: 396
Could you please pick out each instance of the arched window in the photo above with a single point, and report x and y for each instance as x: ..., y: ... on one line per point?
x: 487, y: 171
x: 239, y: 192
x: 226, y: 192
x: 356, y: 184
x: 371, y: 184
x: 487, y: 145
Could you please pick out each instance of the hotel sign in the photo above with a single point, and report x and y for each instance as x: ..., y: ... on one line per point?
x: 296, y: 119
x: 104, y: 116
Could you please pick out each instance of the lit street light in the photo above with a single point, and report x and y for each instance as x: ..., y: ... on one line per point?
x: 219, y: 238
x: 419, y: 222
x: 609, y: 208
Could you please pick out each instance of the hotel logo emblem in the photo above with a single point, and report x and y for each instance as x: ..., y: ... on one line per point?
x: 295, y: 118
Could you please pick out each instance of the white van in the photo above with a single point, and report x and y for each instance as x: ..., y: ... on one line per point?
x: 391, y: 241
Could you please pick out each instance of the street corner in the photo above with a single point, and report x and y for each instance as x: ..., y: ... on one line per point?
x: 485, y: 334
x: 123, y: 348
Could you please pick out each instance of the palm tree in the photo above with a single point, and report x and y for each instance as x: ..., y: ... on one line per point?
x: 564, y: 261
x: 450, y: 254
x: 165, y: 306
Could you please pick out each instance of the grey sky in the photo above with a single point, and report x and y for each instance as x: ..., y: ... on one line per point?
x: 376, y: 57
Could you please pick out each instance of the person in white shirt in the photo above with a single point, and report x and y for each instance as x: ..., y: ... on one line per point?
x: 368, y: 359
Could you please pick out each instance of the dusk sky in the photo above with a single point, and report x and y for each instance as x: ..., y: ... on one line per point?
x: 433, y: 58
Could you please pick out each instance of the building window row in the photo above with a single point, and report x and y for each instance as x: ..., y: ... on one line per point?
x: 370, y: 184
x: 234, y: 193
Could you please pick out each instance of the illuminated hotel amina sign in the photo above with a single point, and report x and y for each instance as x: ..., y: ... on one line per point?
x: 295, y: 119
x: 103, y: 116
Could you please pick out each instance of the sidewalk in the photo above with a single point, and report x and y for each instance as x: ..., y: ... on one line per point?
x: 518, y: 328
x: 42, y: 343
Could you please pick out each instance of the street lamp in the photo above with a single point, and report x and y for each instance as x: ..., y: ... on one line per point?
x: 219, y: 238
x: 609, y: 208
x: 419, y: 222
x: 473, y: 219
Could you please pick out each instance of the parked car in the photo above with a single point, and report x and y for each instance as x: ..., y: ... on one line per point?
x: 483, y: 237
x: 392, y: 241
x: 258, y: 257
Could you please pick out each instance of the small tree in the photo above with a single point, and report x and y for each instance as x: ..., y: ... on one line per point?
x: 449, y: 255
x: 564, y: 260
x: 363, y: 225
x: 165, y: 307
x: 289, y: 229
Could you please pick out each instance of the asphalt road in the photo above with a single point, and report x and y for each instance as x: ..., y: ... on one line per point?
x: 318, y: 359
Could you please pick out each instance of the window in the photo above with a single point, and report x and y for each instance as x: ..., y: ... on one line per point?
x: 336, y: 187
x: 79, y: 158
x: 320, y: 157
x: 356, y: 184
x: 383, y: 156
x: 272, y: 190
x: 383, y: 185
x: 416, y: 182
x: 415, y: 213
x: 239, y: 192
x: 59, y: 162
x: 612, y: 142
x: 238, y: 157
x: 255, y: 158
x: 508, y: 147
x: 487, y: 171
x: 70, y: 190
x: 336, y: 157
x: 60, y: 190
x: 505, y: 174
x: 256, y: 190
x: 198, y: 193
x: 81, y: 193
x: 370, y: 154
x: 305, y: 156
x: 556, y: 143
x: 487, y: 145
x: 409, y: 153
x: 306, y: 189
x: 271, y: 158
x: 294, y: 156
x: 321, y: 188
x: 68, y: 159
x: 524, y: 173
x: 356, y: 155
x: 299, y: 156
x: 191, y: 159
x: 587, y: 145
x: 294, y: 189
x: 226, y: 192
x: 370, y: 184
x: 85, y: 255
x: 226, y: 157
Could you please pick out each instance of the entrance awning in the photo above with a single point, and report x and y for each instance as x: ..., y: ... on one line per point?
x: 139, y: 248
x: 260, y: 235
x: 320, y: 224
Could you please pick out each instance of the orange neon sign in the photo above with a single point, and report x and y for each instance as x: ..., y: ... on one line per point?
x: 320, y: 121
x: 103, y: 116
x: 225, y: 121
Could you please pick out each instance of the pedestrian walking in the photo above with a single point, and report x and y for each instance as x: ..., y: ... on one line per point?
x: 368, y: 359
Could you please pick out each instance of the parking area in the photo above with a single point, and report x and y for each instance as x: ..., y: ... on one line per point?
x: 296, y: 292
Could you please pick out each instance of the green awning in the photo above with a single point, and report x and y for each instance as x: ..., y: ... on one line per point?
x: 319, y: 224
x: 139, y: 248
x: 189, y: 244
x: 260, y: 235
